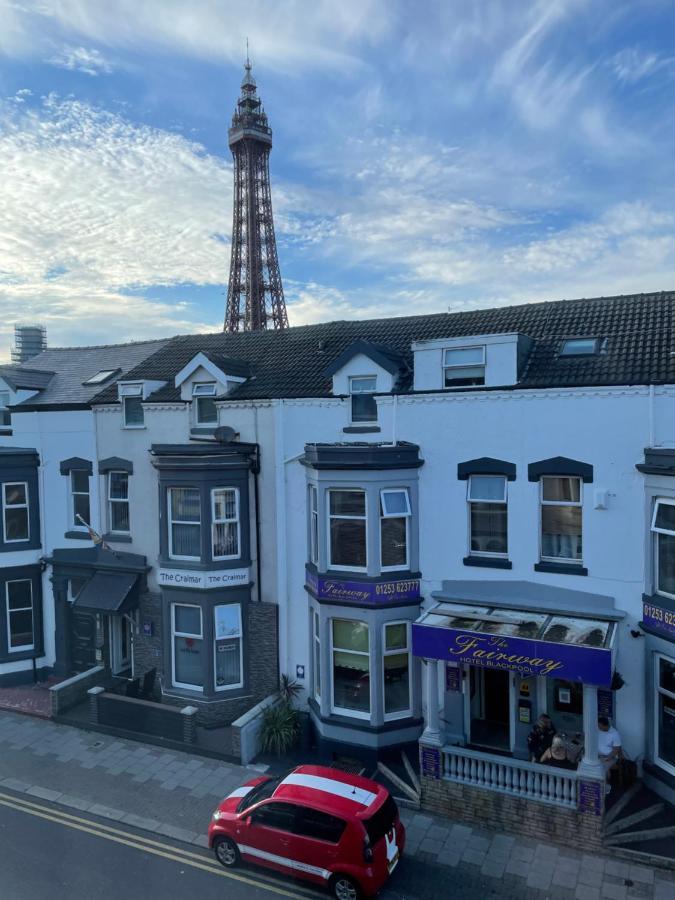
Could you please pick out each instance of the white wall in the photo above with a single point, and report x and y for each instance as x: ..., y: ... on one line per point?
x: 360, y: 364
x: 501, y: 359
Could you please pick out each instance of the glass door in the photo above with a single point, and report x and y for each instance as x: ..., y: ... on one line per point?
x: 120, y: 644
x: 490, y: 708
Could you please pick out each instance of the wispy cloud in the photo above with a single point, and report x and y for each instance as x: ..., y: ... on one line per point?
x: 632, y: 65
x: 80, y: 59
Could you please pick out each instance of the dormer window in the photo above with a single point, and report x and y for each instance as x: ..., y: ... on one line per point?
x: 5, y: 415
x: 103, y: 375
x: 131, y: 396
x: 364, y: 406
x: 582, y: 346
x: 464, y: 367
x: 204, y: 395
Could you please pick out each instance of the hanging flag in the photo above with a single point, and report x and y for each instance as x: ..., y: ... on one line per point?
x: 94, y: 535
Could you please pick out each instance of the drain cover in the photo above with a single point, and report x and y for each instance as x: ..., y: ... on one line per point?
x: 97, y: 744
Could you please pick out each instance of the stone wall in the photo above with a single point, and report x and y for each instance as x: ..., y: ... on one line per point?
x: 69, y: 693
x: 503, y: 812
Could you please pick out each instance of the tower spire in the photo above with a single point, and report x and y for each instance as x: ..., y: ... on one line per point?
x: 255, y: 296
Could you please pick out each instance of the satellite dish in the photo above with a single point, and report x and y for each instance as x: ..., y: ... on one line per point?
x: 224, y: 434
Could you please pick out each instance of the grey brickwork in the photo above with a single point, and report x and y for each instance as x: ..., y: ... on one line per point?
x: 148, y: 648
x: 69, y: 693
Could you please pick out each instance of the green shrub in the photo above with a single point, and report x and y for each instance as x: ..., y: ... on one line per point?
x: 280, y: 729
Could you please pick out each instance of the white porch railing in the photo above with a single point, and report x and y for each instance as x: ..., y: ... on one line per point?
x: 532, y: 781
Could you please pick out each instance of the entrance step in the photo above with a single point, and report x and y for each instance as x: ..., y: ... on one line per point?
x: 637, y: 837
x: 642, y: 820
x: 623, y: 801
x: 640, y: 816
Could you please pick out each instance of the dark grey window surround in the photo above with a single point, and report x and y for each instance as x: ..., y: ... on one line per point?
x: 22, y: 466
x: 658, y: 461
x: 560, y: 465
x: 75, y: 463
x: 115, y: 464
x: 486, y: 465
x: 18, y: 573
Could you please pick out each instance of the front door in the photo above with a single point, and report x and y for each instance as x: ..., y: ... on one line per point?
x: 120, y: 644
x: 490, y: 708
x: 84, y: 640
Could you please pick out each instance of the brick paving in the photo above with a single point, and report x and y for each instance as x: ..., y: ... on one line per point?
x: 33, y: 699
x: 174, y: 793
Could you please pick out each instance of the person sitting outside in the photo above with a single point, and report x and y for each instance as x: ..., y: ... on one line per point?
x: 556, y: 755
x: 540, y: 738
x: 609, y: 745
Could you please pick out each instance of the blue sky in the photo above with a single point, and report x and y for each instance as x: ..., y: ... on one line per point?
x: 427, y: 156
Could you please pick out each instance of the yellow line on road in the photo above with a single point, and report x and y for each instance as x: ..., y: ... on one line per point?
x: 137, y: 842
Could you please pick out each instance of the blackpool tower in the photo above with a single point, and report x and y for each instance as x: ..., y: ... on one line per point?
x: 255, y: 296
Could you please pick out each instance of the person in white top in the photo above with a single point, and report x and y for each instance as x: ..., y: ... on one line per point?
x: 609, y: 744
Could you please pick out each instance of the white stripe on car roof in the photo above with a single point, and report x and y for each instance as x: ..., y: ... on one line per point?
x: 331, y: 786
x: 241, y: 791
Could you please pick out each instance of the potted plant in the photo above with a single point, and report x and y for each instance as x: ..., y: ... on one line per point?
x: 282, y: 724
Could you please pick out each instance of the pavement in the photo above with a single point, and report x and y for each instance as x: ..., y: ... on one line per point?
x: 173, y: 794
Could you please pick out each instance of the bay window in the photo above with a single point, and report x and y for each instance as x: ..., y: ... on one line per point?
x: 184, y: 523
x: 225, y: 528
x: 187, y: 645
x: 347, y: 530
x: 351, y: 667
x: 561, y: 519
x: 15, y: 512
x: 317, y: 655
x: 394, y: 528
x: 229, y: 659
x: 486, y: 496
x: 19, y: 610
x: 118, y: 502
x: 663, y: 529
x: 79, y: 489
x: 313, y: 505
x: 396, y: 662
x: 665, y: 711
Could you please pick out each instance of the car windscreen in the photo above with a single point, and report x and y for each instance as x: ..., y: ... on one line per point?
x: 381, y: 821
x: 261, y: 791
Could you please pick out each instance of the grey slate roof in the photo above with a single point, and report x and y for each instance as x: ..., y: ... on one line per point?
x: 293, y: 363
x: 22, y: 377
x: 68, y: 367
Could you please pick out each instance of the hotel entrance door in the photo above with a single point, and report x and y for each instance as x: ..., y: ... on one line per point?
x: 490, y: 708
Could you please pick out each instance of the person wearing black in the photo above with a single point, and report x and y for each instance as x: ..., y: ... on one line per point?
x: 540, y: 738
x: 556, y: 755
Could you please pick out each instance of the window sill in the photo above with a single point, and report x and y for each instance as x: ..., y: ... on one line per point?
x: 362, y: 429
x: 133, y: 427
x: 560, y: 568
x: 112, y: 538
x: 77, y: 535
x: 487, y: 562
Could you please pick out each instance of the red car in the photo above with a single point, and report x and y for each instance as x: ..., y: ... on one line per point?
x: 321, y: 824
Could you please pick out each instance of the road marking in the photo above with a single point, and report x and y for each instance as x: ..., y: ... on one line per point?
x: 147, y: 845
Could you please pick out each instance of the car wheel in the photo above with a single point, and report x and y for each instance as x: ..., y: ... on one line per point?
x: 345, y: 888
x: 227, y: 852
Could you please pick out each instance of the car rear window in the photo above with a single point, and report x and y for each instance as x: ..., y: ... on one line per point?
x: 381, y: 821
x: 319, y: 825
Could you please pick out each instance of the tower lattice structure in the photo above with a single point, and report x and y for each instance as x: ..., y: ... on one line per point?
x: 255, y: 296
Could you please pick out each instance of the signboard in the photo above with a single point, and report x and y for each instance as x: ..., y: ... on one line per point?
x: 590, y: 797
x: 659, y: 619
x: 453, y: 679
x: 202, y: 581
x: 571, y: 662
x: 371, y: 593
x: 431, y: 762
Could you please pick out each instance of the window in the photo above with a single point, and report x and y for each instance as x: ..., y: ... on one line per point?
x: 132, y: 402
x: 79, y: 489
x: 225, y: 523
x: 101, y: 376
x: 486, y: 495
x: 561, y: 519
x: 582, y: 346
x: 364, y: 405
x: 184, y: 523
x: 15, y: 512
x: 205, y: 404
x: 5, y: 415
x: 19, y: 599
x: 229, y: 662
x: 464, y: 367
x: 347, y: 528
x: 118, y: 502
x: 317, y: 656
x: 187, y: 646
x: 280, y: 816
x: 665, y: 712
x: 313, y: 503
x: 396, y: 659
x: 320, y: 826
x: 351, y: 667
x: 394, y: 528
x: 663, y: 528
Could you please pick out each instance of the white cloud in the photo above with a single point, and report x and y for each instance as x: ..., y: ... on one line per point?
x: 632, y: 65
x: 80, y: 59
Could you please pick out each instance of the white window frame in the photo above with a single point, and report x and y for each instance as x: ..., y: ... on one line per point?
x: 654, y: 530
x: 505, y: 502
x: 563, y: 560
x: 316, y: 658
x: 449, y: 366
x: 353, y: 390
x: 407, y: 515
x: 184, y: 634
x: 171, y: 521
x: 359, y: 518
x: 112, y: 500
x: 130, y: 392
x: 658, y: 690
x: 341, y: 710
x: 75, y: 523
x: 215, y: 521
x: 6, y: 506
x: 401, y: 714
x: 240, y: 683
x: 313, y: 506
x: 597, y: 343
x: 197, y: 394
x: 24, y: 647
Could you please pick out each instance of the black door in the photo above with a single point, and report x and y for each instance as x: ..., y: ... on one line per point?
x: 84, y: 640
